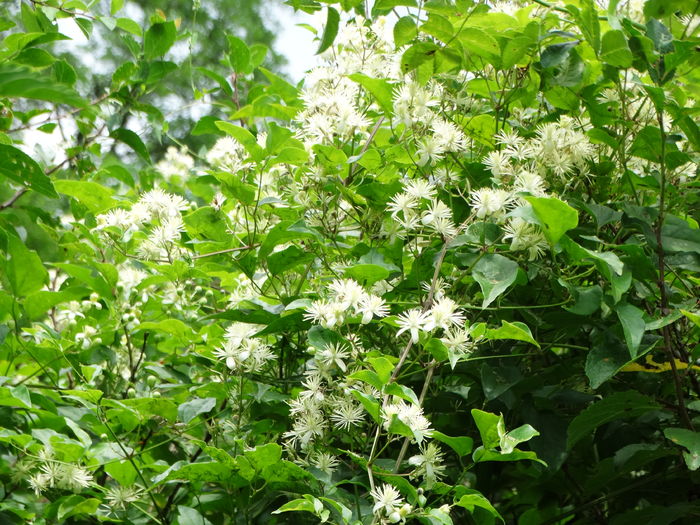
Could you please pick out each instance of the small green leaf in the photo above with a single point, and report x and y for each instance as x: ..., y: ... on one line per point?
x: 471, y: 499
x: 132, y: 140
x: 488, y: 425
x: 380, y: 89
x: 688, y: 439
x: 92, y: 195
x: 620, y: 405
x: 615, y: 50
x: 555, y: 216
x: 515, y: 330
x: 462, y: 445
x: 405, y: 30
x: 159, y: 39
x: 22, y: 169
x: 633, y: 326
x: 23, y: 268
x: 238, y: 55
x: 495, y: 274
x: 330, y: 30
x: 189, y: 410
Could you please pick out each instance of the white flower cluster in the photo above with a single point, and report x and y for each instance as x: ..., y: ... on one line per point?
x: 228, y: 155
x: 175, y: 164
x: 410, y: 415
x: 49, y: 473
x: 416, y: 210
x: 162, y: 211
x: 443, y: 314
x: 242, y: 351
x: 389, y: 504
x: 345, y: 298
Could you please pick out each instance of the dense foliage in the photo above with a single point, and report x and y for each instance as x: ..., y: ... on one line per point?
x: 449, y: 278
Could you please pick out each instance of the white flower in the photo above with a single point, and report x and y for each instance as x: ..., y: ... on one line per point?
x: 177, y: 163
x: 402, y: 202
x: 121, y: 497
x: 448, y: 136
x: 428, y: 463
x: 324, y: 462
x: 420, y: 189
x: 346, y: 414
x: 371, y: 305
x: 333, y: 354
x: 347, y: 292
x: 429, y: 150
x: 386, y: 499
x: 489, y: 202
x: 413, y: 321
x: 444, y: 315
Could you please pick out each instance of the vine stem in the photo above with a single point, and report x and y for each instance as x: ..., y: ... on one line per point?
x: 683, y: 412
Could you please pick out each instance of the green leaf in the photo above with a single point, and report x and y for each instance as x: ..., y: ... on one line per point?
x: 615, y: 50
x: 402, y: 391
x: 471, y: 499
x: 172, y: 327
x: 122, y: 471
x: 515, y: 330
x: 488, y: 425
x: 379, y: 88
x: 132, y: 140
x: 367, y: 274
x: 587, y: 20
x: 23, y: 268
x: 660, y: 35
x: 405, y: 30
x: 115, y: 6
x: 383, y: 367
x: 369, y: 377
x: 633, y: 326
x: 283, y: 232
x: 35, y: 57
x: 159, y: 39
x: 480, y: 43
x: 288, y: 258
x: 462, y: 445
x: 243, y: 136
x: 417, y: 54
x: 511, y: 439
x: 620, y: 405
x: 18, y: 82
x: 92, y: 195
x: 238, y: 55
x: 688, y: 439
x: 189, y: 516
x: 495, y: 274
x: 330, y: 30
x: 17, y: 396
x: 22, y: 169
x: 678, y: 236
x: 189, y: 410
x: 555, y: 216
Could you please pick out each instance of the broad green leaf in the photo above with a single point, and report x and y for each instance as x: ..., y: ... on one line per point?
x: 18, y: 82
x: 620, y: 405
x: 405, y: 30
x: 22, y: 169
x: 243, y: 136
x: 17, y: 396
x: 462, y: 445
x: 330, y: 30
x: 380, y: 89
x: 23, y: 268
x: 479, y: 42
x: 417, y: 54
x: 370, y: 404
x: 587, y: 20
x: 488, y: 425
x: 96, y: 197
x: 470, y: 499
x: 633, y: 326
x: 555, y: 216
x: 688, y: 439
x: 132, y: 140
x: 515, y: 330
x: 367, y: 274
x: 283, y: 232
x: 190, y: 409
x: 383, y: 367
x: 369, y: 377
x: 290, y: 257
x: 190, y: 516
x: 660, y: 35
x: 159, y: 39
x: 678, y: 236
x: 238, y: 55
x: 495, y: 274
x: 172, y: 327
x: 511, y: 439
x: 402, y: 391
x: 615, y: 50
x: 122, y: 471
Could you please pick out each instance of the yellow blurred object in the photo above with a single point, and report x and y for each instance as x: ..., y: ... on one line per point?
x: 651, y: 366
